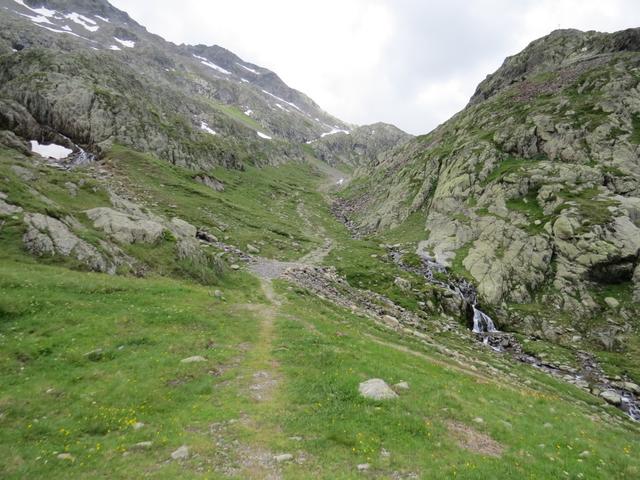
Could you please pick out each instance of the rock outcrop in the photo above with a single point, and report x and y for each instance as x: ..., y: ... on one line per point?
x: 124, y: 228
x: 49, y: 236
x: 533, y: 191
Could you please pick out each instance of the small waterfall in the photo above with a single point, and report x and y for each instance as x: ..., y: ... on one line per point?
x: 82, y: 157
x: 482, y: 322
x: 490, y: 336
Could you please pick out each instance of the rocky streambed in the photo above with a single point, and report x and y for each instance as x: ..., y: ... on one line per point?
x: 588, y: 376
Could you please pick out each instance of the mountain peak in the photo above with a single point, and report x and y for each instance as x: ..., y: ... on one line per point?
x: 557, y: 50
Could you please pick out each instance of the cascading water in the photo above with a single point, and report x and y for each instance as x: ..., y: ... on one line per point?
x: 489, y: 335
x: 482, y: 323
x: 82, y: 158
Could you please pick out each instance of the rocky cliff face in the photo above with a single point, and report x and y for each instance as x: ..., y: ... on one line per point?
x: 532, y: 191
x: 85, y: 74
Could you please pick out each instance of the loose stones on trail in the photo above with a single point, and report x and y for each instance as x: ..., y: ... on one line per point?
x: 285, y: 457
x: 376, y: 389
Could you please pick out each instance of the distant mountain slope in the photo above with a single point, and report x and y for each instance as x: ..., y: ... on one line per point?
x: 359, y: 147
x: 87, y: 71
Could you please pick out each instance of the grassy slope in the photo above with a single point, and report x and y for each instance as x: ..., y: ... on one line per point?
x: 256, y: 205
x: 55, y: 398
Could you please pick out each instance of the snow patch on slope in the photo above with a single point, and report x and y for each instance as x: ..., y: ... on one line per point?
x: 248, y: 69
x: 55, y: 30
x: 125, y: 43
x: 51, y: 150
x: 283, y: 100
x: 209, y: 64
x: 264, y: 135
x: 36, y: 19
x: 335, y: 130
x: 82, y: 20
x: 44, y: 12
x: 205, y: 127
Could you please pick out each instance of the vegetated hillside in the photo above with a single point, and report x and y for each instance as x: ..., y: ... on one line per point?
x: 532, y: 192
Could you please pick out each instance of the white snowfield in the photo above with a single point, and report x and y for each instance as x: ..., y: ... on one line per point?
x: 248, y: 68
x: 55, y: 30
x: 282, y: 100
x: 37, y: 19
x: 205, y: 127
x: 50, y: 150
x: 125, y: 43
x: 335, y: 130
x: 248, y: 112
x: 43, y: 16
x: 210, y: 64
x: 114, y: 47
x: 87, y: 23
x: 106, y: 20
x: 264, y: 135
x: 45, y: 12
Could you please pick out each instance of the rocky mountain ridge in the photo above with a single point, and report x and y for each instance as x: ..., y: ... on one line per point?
x: 88, y: 72
x: 532, y: 191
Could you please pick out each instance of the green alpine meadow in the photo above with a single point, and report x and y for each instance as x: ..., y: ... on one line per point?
x: 204, y: 275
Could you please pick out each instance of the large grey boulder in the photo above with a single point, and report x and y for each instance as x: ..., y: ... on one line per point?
x: 49, y: 236
x: 563, y: 228
x: 182, y: 229
x: 125, y: 228
x: 612, y: 397
x: 376, y: 389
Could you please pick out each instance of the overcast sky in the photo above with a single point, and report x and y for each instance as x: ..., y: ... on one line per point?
x: 412, y: 63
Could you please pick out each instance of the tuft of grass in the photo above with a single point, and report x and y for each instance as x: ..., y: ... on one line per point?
x: 529, y: 206
x: 591, y: 208
x: 635, y: 135
x: 457, y: 267
x: 505, y: 167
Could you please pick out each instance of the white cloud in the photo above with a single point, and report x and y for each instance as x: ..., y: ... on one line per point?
x: 407, y: 62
